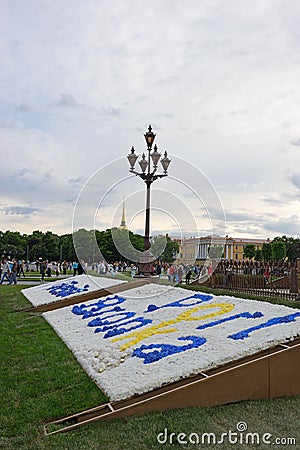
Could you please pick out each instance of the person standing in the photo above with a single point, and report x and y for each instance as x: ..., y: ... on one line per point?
x: 49, y: 269
x: 43, y: 270
x: 132, y: 270
x: 188, y: 276
x: 171, y: 273
x: 21, y: 268
x: 75, y: 267
x: 158, y: 269
x: 65, y: 266
x: 180, y: 273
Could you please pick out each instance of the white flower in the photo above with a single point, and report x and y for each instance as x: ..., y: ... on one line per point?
x: 109, y: 361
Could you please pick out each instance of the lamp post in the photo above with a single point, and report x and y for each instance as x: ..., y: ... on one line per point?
x: 148, y: 164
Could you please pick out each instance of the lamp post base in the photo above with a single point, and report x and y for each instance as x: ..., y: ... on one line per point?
x: 144, y: 266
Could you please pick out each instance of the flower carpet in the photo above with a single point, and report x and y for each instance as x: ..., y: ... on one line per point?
x: 67, y: 287
x: 143, y: 338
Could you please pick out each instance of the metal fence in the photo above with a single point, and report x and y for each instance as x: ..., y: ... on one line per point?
x: 265, y: 280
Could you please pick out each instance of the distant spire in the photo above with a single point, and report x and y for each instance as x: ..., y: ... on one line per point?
x: 123, y: 221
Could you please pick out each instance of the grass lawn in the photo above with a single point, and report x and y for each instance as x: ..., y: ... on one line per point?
x: 41, y: 380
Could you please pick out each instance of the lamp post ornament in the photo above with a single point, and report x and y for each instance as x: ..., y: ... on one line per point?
x: 148, y: 164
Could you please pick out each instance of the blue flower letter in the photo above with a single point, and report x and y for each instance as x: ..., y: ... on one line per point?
x: 166, y: 349
x: 181, y: 302
x: 276, y: 321
x: 65, y: 289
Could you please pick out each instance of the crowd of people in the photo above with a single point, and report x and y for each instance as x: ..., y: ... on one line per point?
x: 46, y: 268
x: 12, y: 269
x: 173, y: 272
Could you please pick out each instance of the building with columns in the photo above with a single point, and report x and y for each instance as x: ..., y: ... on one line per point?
x: 196, y: 249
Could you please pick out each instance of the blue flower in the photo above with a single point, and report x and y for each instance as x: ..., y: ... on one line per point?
x: 65, y: 289
x: 151, y: 308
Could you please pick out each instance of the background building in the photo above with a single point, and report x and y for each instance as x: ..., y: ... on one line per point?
x: 197, y: 248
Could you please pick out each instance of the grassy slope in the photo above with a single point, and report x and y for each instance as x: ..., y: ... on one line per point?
x: 40, y: 379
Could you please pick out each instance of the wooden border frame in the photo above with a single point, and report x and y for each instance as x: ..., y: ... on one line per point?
x: 268, y: 374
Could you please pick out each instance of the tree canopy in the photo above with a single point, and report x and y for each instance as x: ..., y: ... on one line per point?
x: 113, y: 244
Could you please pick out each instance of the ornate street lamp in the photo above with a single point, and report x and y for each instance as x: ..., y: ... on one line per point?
x: 148, y: 164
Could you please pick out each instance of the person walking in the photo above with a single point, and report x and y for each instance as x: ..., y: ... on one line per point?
x: 5, y: 271
x: 13, y: 273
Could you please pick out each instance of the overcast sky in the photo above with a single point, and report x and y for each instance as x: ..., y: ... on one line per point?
x: 218, y: 80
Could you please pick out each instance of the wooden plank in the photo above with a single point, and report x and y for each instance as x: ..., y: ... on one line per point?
x: 284, y: 373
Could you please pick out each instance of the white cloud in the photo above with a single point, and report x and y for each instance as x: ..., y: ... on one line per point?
x: 296, y: 142
x: 217, y: 80
x: 294, y: 178
x: 285, y: 225
x: 18, y: 210
x: 66, y: 101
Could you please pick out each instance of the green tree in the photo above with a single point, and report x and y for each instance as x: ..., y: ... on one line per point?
x: 171, y: 250
x: 292, y: 246
x: 137, y: 241
x: 293, y: 249
x: 66, y: 247
x: 267, y: 251
x: 12, y: 244
x: 119, y: 245
x: 127, y: 245
x: 106, y: 245
x: 249, y: 251
x: 84, y: 244
x: 42, y: 245
x: 50, y: 242
x: 279, y: 250
x: 35, y: 246
x: 258, y: 255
